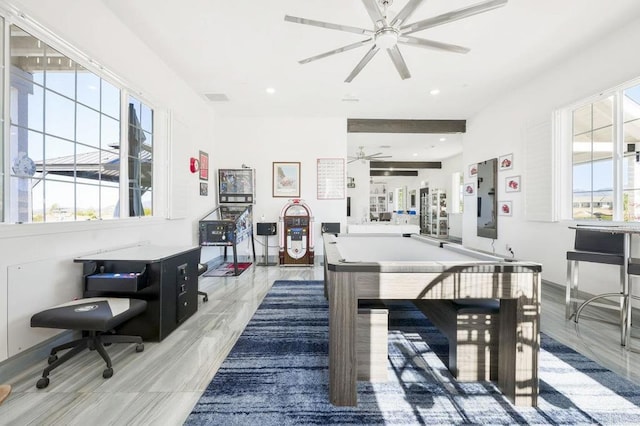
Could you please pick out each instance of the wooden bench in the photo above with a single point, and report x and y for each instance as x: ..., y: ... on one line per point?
x: 472, y: 328
x: 371, y: 345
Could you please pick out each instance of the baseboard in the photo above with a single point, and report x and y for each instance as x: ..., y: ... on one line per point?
x: 25, y: 360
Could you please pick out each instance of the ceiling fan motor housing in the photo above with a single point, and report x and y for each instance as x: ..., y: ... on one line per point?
x: 386, y: 37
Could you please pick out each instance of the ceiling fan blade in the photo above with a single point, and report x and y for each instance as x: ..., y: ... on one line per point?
x: 364, y: 61
x: 334, y: 51
x: 399, y: 62
x: 382, y: 156
x: 453, y: 16
x: 328, y: 25
x: 430, y: 44
x: 374, y: 12
x: 406, y: 12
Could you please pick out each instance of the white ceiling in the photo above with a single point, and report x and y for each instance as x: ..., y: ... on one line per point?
x: 241, y: 47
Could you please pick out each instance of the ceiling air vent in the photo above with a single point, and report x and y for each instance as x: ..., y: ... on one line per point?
x: 217, y: 97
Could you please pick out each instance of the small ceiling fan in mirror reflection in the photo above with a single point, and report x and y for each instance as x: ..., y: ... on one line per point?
x: 360, y: 155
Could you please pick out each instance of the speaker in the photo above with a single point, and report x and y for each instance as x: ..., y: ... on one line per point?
x: 330, y: 227
x: 266, y: 228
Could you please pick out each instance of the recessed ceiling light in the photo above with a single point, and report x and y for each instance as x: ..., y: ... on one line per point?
x: 270, y: 90
x: 415, y: 154
x: 434, y: 91
x: 443, y: 139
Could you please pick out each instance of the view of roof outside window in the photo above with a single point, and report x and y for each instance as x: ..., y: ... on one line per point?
x: 65, y: 140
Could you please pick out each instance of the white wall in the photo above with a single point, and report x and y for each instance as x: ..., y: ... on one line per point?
x: 449, y: 167
x: 92, y: 28
x: 258, y: 142
x: 501, y: 129
x: 359, y: 171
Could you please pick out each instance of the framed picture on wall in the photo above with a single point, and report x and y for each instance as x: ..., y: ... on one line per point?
x: 505, y: 162
x: 470, y: 188
x: 505, y: 208
x: 286, y: 179
x: 204, y: 165
x: 512, y: 184
x: 473, y: 169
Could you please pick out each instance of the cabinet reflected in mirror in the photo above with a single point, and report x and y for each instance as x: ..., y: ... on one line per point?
x: 487, y: 201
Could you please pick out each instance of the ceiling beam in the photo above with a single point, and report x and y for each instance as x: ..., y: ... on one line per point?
x: 405, y: 164
x: 365, y: 125
x: 393, y: 173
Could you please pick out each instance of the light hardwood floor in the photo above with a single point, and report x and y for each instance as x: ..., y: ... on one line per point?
x: 162, y: 384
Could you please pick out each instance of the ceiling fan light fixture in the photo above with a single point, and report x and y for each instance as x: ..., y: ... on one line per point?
x: 386, y: 38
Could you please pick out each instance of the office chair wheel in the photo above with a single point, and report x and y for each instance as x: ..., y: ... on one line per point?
x: 205, y: 298
x: 140, y: 347
x: 108, y: 372
x: 42, y: 383
x: 52, y: 359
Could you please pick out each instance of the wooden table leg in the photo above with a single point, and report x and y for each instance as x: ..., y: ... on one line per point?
x: 520, y: 346
x: 343, y: 310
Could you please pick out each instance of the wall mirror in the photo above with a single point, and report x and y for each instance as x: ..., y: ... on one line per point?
x: 487, y: 202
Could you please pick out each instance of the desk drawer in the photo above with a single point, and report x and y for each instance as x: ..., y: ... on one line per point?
x: 117, y: 282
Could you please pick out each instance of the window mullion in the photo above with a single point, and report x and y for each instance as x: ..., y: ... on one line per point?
x: 124, y: 149
x: 618, y: 155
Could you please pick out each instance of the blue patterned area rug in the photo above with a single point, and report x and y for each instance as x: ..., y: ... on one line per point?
x: 277, y: 374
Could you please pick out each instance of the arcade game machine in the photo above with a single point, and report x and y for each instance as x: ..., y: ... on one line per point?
x: 296, y: 234
x: 232, y: 221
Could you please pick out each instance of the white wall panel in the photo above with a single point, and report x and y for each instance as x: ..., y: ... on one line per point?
x: 33, y: 288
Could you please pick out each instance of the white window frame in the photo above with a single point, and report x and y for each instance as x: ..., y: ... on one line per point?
x: 13, y: 16
x: 564, y: 125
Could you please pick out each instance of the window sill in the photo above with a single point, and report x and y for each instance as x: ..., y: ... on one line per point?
x: 14, y: 230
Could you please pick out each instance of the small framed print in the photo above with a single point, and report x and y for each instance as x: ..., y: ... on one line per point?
x: 470, y: 188
x: 286, y: 179
x: 204, y: 188
x: 473, y: 169
x: 512, y: 184
x: 505, y: 162
x: 204, y: 165
x: 505, y: 208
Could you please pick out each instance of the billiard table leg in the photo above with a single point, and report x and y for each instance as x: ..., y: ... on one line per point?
x: 519, y: 344
x: 343, y: 310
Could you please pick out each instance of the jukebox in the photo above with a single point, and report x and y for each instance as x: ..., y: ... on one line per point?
x: 296, y: 234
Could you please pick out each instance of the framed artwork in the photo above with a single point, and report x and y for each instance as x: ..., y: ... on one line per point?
x: 330, y: 177
x: 505, y: 162
x: 512, y: 184
x: 470, y: 188
x: 204, y: 165
x: 204, y: 188
x: 505, y: 208
x: 473, y: 169
x: 286, y: 179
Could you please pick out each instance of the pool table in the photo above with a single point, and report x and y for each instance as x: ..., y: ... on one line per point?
x: 378, y: 266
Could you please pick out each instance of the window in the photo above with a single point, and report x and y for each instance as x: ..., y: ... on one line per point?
x: 605, y: 157
x: 457, y: 193
x: 66, y: 141
x: 140, y: 158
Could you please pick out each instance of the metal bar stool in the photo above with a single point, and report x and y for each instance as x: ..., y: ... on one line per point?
x: 633, y: 268
x: 597, y: 247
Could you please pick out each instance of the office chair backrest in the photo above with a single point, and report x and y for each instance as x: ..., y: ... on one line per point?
x: 597, y: 241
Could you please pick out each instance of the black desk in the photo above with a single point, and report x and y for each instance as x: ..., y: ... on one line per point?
x: 168, y: 281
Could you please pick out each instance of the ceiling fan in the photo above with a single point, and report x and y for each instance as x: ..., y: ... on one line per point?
x: 388, y: 32
x: 360, y: 155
